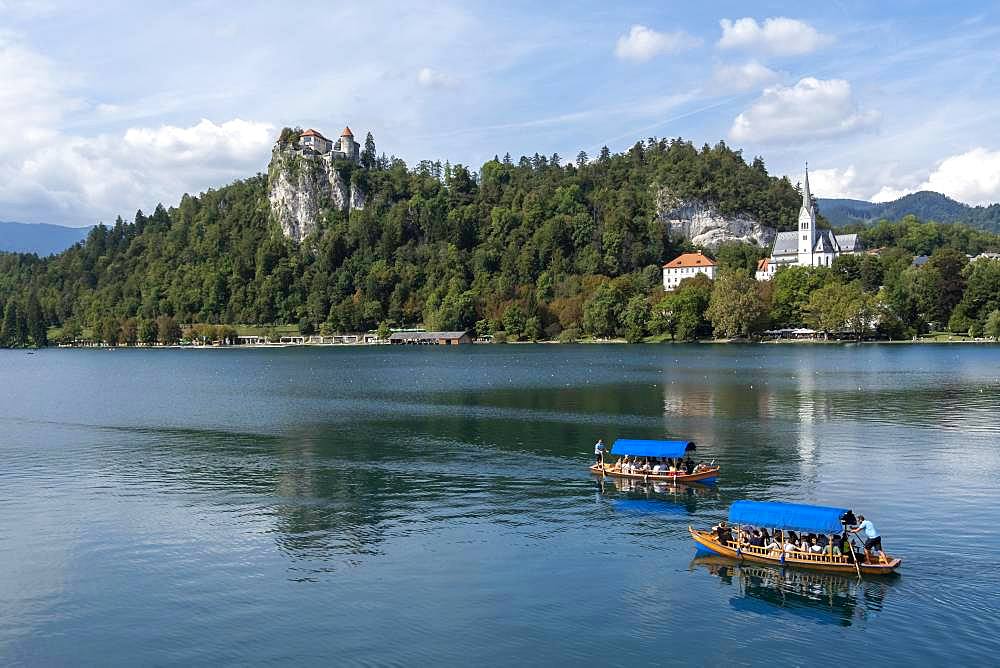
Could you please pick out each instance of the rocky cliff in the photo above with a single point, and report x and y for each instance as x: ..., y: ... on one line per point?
x: 705, y: 226
x: 301, y: 184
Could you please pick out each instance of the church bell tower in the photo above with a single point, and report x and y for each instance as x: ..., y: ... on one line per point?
x: 807, y: 225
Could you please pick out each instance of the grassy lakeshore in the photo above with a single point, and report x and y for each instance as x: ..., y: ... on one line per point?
x: 278, y: 331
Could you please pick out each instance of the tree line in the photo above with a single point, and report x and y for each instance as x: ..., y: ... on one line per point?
x: 531, y: 248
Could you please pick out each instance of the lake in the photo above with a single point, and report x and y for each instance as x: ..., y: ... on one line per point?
x: 373, y: 506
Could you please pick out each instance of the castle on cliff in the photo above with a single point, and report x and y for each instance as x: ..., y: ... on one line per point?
x: 345, y: 148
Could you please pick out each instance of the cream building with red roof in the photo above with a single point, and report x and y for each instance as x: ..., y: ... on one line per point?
x: 687, y: 265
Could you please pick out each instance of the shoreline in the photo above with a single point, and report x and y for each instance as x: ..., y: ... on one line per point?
x: 614, y: 342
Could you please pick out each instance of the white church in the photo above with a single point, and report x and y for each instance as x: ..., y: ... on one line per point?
x: 806, y: 247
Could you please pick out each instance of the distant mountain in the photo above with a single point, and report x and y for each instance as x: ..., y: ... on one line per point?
x: 925, y: 205
x: 39, y: 238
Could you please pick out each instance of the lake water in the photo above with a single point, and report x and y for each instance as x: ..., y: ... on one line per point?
x: 386, y: 506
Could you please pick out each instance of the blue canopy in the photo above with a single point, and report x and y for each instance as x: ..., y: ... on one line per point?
x: 640, y: 448
x: 794, y: 516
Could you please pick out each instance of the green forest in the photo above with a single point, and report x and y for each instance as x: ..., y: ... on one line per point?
x: 538, y: 248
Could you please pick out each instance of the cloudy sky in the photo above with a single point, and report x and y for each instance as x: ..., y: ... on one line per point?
x: 105, y: 109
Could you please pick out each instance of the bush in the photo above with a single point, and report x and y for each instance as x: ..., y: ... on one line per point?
x: 569, y: 335
x: 500, y: 337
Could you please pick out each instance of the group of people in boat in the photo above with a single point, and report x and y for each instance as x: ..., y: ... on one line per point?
x: 630, y: 464
x: 791, y: 542
x: 657, y: 466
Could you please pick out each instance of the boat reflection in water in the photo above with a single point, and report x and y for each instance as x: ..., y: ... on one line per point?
x: 653, y: 497
x: 822, y: 597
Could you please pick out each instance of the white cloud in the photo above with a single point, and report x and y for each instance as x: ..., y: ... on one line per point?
x: 888, y: 194
x: 748, y: 76
x: 641, y: 44
x: 430, y: 78
x: 812, y: 108
x: 972, y: 177
x: 235, y: 140
x: 834, y: 183
x: 85, y: 179
x: 778, y: 36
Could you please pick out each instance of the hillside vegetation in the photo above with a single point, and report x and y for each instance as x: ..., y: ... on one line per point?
x: 533, y: 248
x: 925, y: 205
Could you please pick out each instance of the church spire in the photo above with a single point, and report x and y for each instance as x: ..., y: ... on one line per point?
x: 806, y: 197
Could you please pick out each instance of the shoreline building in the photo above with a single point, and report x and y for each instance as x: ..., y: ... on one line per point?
x: 345, y: 148
x: 687, y: 265
x: 807, y: 246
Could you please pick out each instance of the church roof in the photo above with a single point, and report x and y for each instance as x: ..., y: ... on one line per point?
x: 347, y: 132
x: 313, y: 133
x: 786, y: 243
x: 762, y: 264
x: 848, y: 242
x: 825, y: 242
x: 690, y: 260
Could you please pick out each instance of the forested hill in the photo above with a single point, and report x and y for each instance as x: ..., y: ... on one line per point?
x: 925, y: 205
x: 436, y: 243
x: 534, y: 248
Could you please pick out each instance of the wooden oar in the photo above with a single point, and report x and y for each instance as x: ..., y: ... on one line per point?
x: 850, y: 546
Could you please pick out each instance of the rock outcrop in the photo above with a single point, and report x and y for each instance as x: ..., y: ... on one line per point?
x: 301, y: 184
x: 704, y: 225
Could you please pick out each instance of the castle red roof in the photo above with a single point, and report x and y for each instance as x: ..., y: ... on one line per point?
x: 690, y: 260
x: 347, y: 132
x: 312, y: 133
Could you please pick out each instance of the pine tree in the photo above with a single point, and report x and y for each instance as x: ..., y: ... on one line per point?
x: 368, y: 154
x: 35, y: 322
x: 9, y: 325
x: 582, y: 158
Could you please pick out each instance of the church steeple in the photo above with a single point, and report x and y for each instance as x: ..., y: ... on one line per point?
x: 807, y: 225
x: 806, y: 197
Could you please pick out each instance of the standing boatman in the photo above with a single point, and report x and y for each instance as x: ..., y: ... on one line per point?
x: 873, y: 541
x: 599, y: 453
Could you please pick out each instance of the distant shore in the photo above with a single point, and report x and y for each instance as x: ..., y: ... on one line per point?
x: 937, y: 340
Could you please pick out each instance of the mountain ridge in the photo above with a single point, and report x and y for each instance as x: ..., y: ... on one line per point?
x: 925, y: 204
x: 41, y: 239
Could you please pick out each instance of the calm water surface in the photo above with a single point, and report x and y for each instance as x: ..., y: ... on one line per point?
x: 386, y: 506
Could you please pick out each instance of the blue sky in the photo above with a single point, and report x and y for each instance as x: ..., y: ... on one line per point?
x: 111, y: 108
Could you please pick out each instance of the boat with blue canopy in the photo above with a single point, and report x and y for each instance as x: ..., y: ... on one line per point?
x: 782, y: 523
x: 656, y: 461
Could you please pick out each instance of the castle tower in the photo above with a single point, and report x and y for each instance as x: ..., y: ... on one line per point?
x: 347, y: 144
x: 807, y: 225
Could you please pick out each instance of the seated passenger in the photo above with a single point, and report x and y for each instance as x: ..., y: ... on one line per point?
x: 688, y: 466
x: 815, y: 547
x: 656, y: 469
x: 791, y: 547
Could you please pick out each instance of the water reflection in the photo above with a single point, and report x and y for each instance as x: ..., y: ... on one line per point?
x: 657, y: 498
x: 821, y: 597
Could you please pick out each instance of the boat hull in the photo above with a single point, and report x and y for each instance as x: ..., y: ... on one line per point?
x: 704, y: 477
x: 708, y: 541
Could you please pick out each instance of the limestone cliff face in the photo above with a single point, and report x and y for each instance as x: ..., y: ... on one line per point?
x: 705, y: 226
x: 301, y: 184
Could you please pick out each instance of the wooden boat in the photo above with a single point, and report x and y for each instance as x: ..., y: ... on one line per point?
x: 648, y: 448
x: 791, y: 517
x: 706, y: 477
